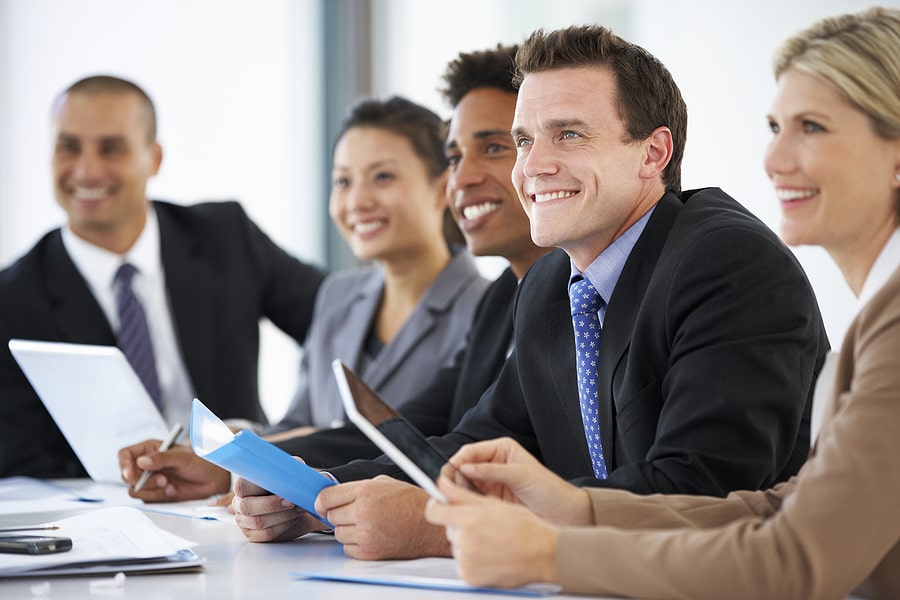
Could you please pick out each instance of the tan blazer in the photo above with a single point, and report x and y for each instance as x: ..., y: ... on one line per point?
x: 819, y: 535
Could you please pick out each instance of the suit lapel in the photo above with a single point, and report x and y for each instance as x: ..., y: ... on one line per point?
x: 560, y: 353
x: 360, y: 319
x: 190, y: 289
x: 418, y: 326
x: 76, y: 315
x: 492, y: 331
x: 623, y: 309
x: 438, y: 299
x: 497, y: 323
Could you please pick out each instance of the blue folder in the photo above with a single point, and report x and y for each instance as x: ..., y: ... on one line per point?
x: 249, y: 456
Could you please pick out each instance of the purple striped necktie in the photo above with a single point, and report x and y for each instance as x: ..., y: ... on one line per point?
x: 134, y: 335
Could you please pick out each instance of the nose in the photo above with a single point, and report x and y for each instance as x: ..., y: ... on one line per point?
x: 357, y: 197
x: 465, y: 173
x: 537, y: 159
x: 779, y: 158
x: 87, y: 167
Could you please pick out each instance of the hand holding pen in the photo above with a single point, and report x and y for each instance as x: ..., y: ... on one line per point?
x: 166, y: 444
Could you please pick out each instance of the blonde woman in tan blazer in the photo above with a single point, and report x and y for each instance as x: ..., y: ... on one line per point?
x: 832, y: 530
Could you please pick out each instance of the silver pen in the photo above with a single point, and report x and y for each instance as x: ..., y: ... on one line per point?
x: 166, y: 444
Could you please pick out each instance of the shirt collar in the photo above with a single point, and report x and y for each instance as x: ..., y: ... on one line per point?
x: 604, y: 272
x: 98, y: 265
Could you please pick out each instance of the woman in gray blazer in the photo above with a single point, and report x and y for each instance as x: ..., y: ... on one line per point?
x: 834, y: 160
x: 402, y: 319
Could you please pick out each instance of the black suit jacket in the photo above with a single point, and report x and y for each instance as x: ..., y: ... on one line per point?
x: 711, y: 344
x: 452, y: 391
x: 222, y: 276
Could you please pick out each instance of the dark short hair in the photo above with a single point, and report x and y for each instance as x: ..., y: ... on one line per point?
x: 492, y: 68
x: 108, y: 84
x: 423, y: 128
x: 647, y: 96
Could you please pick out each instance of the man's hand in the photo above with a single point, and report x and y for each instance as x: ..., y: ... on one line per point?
x: 381, y: 519
x: 265, y: 517
x: 178, y: 473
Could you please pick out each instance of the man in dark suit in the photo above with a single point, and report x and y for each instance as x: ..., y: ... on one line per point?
x: 711, y: 336
x: 206, y: 276
x: 484, y: 205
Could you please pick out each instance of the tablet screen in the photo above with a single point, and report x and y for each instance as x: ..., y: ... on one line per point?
x: 369, y: 412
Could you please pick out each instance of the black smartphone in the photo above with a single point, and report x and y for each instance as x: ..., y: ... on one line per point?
x: 34, y: 544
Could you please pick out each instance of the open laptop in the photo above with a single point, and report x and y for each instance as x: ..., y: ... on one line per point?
x: 395, y: 436
x: 95, y: 397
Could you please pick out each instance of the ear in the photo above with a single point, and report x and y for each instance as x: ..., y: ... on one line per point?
x: 896, y: 182
x: 658, y: 153
x: 157, y: 157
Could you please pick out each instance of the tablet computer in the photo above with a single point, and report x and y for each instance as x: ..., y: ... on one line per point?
x: 94, y: 396
x: 395, y: 436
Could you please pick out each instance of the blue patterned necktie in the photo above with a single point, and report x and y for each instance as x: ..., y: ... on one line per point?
x: 134, y: 335
x: 586, y: 303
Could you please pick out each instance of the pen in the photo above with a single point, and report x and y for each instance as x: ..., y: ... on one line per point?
x: 44, y: 528
x: 167, y: 443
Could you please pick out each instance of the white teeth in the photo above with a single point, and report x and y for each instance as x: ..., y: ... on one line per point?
x: 90, y: 193
x: 552, y: 196
x: 367, y: 227
x: 479, y: 210
x: 793, y: 194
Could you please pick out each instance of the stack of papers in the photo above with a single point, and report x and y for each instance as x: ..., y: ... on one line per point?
x: 108, y: 540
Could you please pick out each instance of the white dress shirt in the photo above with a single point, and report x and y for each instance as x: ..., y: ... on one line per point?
x: 98, y: 267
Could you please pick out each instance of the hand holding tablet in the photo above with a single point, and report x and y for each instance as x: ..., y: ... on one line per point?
x: 394, y: 435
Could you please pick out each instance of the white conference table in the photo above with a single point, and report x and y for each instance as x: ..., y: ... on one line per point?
x: 234, y: 568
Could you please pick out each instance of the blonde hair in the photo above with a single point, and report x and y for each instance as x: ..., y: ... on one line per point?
x: 857, y: 53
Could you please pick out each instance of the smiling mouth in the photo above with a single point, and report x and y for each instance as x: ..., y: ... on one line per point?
x: 548, y: 196
x: 479, y: 210
x: 88, y: 194
x: 367, y: 227
x: 792, y: 195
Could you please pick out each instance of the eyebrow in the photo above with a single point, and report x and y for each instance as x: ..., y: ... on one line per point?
x: 557, y: 124
x: 102, y: 141
x: 479, y: 135
x: 486, y: 133
x: 387, y: 162
x: 801, y: 115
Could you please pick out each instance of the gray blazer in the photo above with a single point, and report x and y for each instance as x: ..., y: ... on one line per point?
x: 344, y: 311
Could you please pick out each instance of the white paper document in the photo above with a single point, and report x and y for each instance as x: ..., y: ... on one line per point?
x: 108, y: 540
x: 425, y: 573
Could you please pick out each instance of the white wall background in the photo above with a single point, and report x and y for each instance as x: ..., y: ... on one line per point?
x: 231, y: 80
x: 236, y: 86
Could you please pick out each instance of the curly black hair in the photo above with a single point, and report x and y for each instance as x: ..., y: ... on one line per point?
x: 486, y: 68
